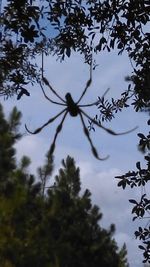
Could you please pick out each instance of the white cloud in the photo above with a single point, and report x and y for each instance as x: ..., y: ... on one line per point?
x: 35, y: 148
x: 134, y: 257
x: 114, y: 205
x: 97, y: 176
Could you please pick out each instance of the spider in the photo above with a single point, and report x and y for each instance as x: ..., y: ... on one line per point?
x: 74, y: 109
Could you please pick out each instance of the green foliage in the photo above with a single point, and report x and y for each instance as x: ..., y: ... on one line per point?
x: 45, y: 172
x: 8, y: 136
x: 141, y: 207
x: 80, y: 239
x: 109, y: 109
x: 80, y: 26
x: 52, y: 228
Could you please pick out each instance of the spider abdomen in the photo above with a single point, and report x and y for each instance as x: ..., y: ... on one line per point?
x: 71, y: 105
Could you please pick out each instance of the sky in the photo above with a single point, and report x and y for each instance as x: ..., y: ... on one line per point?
x: 97, y: 176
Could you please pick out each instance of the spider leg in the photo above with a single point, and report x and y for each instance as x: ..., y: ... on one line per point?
x: 95, y: 103
x: 107, y: 129
x: 87, y: 85
x: 58, y: 130
x: 89, y: 105
x: 94, y: 151
x: 45, y: 124
x: 48, y: 84
x: 51, y: 88
x: 49, y: 99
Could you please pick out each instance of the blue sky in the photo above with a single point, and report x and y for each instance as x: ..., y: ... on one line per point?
x: 97, y: 176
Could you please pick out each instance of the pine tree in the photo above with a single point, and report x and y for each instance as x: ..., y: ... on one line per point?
x: 74, y: 221
x: 52, y: 227
x: 19, y: 198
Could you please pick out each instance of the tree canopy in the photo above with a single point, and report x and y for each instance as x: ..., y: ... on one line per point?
x: 60, y: 27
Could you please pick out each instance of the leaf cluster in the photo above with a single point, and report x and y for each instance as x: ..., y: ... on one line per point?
x: 106, y: 25
x: 18, y: 34
x: 141, y: 208
x: 80, y: 26
x: 109, y: 108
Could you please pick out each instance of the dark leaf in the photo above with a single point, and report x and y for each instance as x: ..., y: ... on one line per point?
x: 138, y: 165
x: 68, y: 52
x: 133, y: 201
x: 23, y: 92
x: 141, y: 247
x: 141, y: 135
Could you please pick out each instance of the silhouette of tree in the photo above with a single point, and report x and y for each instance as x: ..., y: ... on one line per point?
x: 141, y: 207
x: 60, y: 27
x: 55, y: 227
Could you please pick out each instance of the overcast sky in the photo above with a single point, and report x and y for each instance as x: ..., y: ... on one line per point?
x: 97, y: 176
